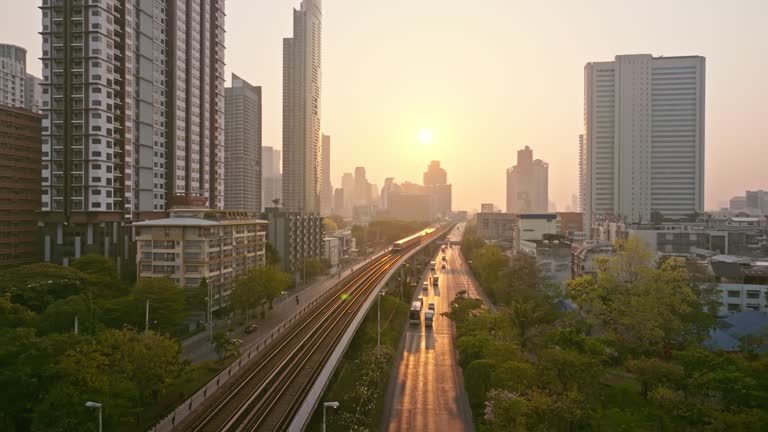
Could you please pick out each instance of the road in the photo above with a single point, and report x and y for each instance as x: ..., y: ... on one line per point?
x: 198, y: 348
x: 427, y: 392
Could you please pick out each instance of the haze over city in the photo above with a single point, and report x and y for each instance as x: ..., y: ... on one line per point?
x: 488, y: 80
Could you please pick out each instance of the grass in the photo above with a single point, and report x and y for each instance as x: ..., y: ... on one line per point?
x: 349, y: 374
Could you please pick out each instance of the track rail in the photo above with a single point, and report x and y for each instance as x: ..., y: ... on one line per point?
x: 267, y: 394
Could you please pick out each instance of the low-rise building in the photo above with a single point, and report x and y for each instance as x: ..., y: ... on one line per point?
x: 496, y: 226
x: 296, y: 236
x: 333, y: 253
x: 742, y: 283
x: 572, y: 225
x: 553, y: 256
x: 534, y: 226
x: 197, y: 243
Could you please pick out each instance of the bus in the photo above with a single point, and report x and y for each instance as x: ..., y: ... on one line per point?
x: 415, y: 316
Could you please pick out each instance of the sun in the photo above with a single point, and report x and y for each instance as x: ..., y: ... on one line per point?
x: 425, y: 136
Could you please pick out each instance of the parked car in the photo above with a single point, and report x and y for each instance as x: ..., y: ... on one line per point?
x: 251, y: 328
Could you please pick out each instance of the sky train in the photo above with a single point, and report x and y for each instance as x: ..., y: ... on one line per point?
x: 412, y: 240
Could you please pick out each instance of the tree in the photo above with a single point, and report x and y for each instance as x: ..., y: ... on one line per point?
x: 260, y: 286
x: 59, y: 317
x: 652, y: 372
x: 313, y: 267
x: 525, y: 316
x: 166, y: 301
x: 329, y: 225
x: 197, y: 296
x: 272, y: 256
x: 223, y: 344
x: 13, y: 315
x: 523, y: 280
x: 123, y: 369
x: 463, y: 307
x: 487, y: 263
x: 338, y: 220
x: 102, y: 272
x: 645, y: 308
x: 36, y: 286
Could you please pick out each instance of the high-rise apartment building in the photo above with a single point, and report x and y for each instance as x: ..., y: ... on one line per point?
x: 583, y: 189
x: 20, y: 135
x: 18, y: 88
x: 528, y: 184
x: 348, y: 186
x: 644, y: 138
x: 271, y: 179
x: 133, y: 100
x: 301, y: 110
x: 326, y: 188
x: 435, y: 176
x: 242, y: 167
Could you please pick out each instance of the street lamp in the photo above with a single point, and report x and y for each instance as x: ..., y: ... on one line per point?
x: 328, y: 404
x: 95, y: 405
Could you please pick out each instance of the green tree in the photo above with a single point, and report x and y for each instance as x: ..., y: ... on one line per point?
x: 13, y: 315
x: 122, y: 369
x: 528, y: 316
x: 36, y: 286
x: 167, y: 302
x: 652, y: 372
x: 259, y: 287
x: 272, y: 256
x: 522, y: 280
x: 223, y: 344
x: 463, y: 307
x: 313, y: 267
x: 487, y: 263
x: 478, y: 379
x: 329, y: 225
x: 338, y: 220
x: 59, y: 317
x: 102, y: 273
x: 197, y: 296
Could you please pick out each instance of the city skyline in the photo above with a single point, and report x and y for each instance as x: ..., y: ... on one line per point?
x: 496, y: 127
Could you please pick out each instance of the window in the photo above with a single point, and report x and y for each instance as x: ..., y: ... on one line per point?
x: 96, y: 192
x: 752, y: 294
x: 734, y: 307
x: 96, y: 205
x: 734, y: 294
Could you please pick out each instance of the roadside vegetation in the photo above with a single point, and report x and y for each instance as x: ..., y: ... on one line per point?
x: 360, y: 381
x: 627, y: 358
x: 47, y: 372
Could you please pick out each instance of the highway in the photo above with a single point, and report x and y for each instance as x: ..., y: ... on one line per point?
x: 427, y: 392
x: 267, y: 394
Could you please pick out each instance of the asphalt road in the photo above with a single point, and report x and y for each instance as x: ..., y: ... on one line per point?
x: 427, y: 392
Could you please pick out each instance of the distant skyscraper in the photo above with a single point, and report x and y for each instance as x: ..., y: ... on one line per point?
x: 435, y: 175
x: 583, y: 180
x: 348, y: 186
x: 33, y: 93
x: 528, y: 184
x: 13, y: 75
x: 644, y: 137
x: 242, y: 139
x: 362, y: 194
x: 271, y: 179
x: 134, y: 114
x: 326, y: 188
x: 301, y: 110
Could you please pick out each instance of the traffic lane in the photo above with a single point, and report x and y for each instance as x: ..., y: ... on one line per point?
x: 427, y: 394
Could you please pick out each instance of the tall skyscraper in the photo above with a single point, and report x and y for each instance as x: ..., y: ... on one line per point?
x: 18, y: 88
x: 583, y: 181
x: 301, y: 110
x: 528, y: 184
x: 644, y: 137
x: 242, y: 166
x: 133, y: 99
x: 362, y: 193
x: 326, y: 188
x: 435, y: 176
x: 271, y: 179
x: 348, y: 186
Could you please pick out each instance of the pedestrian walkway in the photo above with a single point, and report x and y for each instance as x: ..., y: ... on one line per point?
x: 197, y: 348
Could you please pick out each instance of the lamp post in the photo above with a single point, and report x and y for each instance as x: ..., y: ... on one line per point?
x: 95, y: 405
x: 328, y: 404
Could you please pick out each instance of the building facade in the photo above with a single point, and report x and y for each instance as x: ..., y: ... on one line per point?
x: 242, y: 167
x: 496, y: 226
x: 644, y: 137
x: 197, y: 243
x: 271, y: 179
x: 302, y: 158
x: 20, y: 137
x: 13, y: 74
x: 296, y: 236
x: 326, y: 188
x: 133, y: 100
x: 410, y: 206
x: 435, y: 175
x: 528, y: 184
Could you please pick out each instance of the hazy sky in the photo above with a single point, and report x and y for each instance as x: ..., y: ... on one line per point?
x: 489, y: 79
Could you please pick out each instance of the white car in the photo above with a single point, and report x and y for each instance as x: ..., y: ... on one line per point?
x: 425, y: 286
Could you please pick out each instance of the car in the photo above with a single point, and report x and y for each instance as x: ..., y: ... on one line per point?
x: 442, y: 267
x: 425, y: 286
x: 237, y: 341
x: 431, y: 307
x: 251, y: 328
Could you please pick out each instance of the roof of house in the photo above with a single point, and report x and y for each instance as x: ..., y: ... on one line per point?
x: 192, y: 221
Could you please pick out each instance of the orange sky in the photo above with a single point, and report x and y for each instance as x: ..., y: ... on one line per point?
x: 490, y: 78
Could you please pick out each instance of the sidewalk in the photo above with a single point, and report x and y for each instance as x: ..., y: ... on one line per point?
x: 197, y: 348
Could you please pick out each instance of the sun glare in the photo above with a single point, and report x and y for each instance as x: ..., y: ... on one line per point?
x: 425, y: 136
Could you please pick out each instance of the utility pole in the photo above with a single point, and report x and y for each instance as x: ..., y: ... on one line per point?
x: 210, y: 313
x: 146, y: 318
x: 76, y: 317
